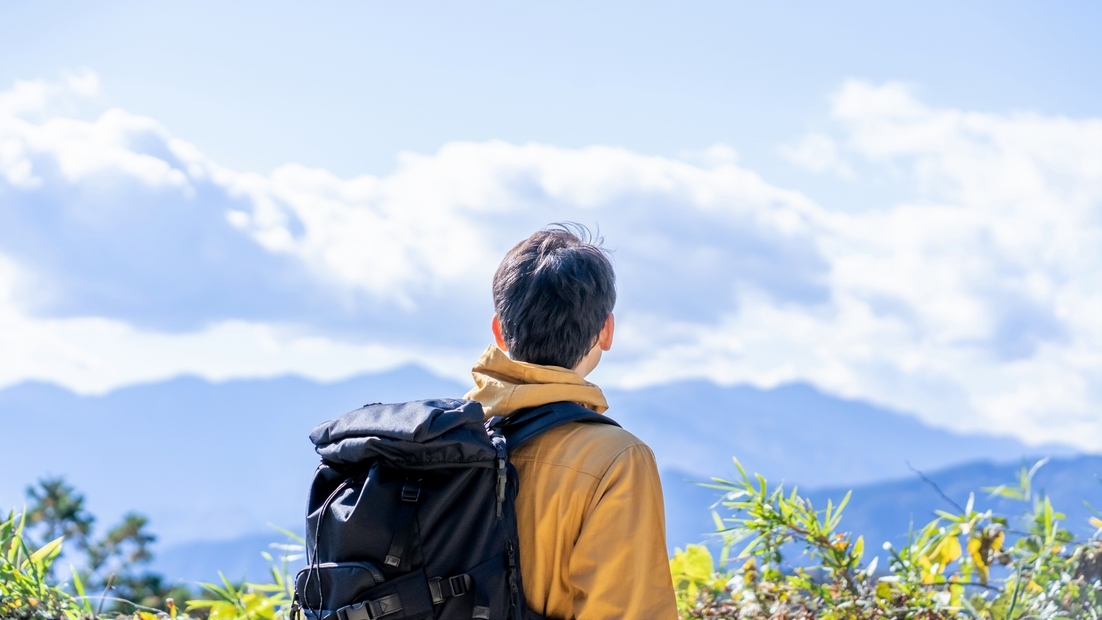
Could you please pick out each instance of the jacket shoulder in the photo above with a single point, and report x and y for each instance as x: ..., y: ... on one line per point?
x: 584, y: 447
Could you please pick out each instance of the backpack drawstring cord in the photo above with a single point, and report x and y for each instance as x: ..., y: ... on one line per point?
x: 314, y: 564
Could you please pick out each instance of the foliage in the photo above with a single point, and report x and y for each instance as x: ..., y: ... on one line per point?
x: 114, y: 564
x: 694, y: 575
x: 966, y: 563
x: 25, y: 591
x: 945, y: 570
x: 252, y: 601
x: 57, y: 510
x: 114, y: 567
x: 118, y: 562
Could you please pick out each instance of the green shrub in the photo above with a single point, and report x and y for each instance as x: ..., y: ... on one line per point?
x: 943, y: 572
x: 28, y: 592
x: 253, y: 601
x: 25, y: 591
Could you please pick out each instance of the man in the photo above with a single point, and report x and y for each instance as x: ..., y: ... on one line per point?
x: 589, y: 505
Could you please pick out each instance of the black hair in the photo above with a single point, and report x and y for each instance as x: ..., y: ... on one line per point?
x: 553, y: 293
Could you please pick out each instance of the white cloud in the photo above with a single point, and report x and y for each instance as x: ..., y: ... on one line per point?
x: 818, y: 153
x: 132, y: 256
x: 41, y: 97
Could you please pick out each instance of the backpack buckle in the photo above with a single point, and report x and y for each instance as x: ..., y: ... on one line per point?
x: 370, y: 610
x: 459, y: 584
x: 456, y: 586
x: 384, y: 606
x: 411, y: 492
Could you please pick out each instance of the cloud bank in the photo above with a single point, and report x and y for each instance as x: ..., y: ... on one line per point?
x: 127, y: 255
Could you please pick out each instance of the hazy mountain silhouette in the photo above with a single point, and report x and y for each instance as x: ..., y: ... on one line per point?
x: 218, y: 461
x: 796, y: 433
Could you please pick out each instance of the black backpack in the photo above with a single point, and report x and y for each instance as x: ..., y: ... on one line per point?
x: 411, y: 513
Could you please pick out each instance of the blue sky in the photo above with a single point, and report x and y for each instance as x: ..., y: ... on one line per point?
x: 347, y: 85
x: 896, y: 203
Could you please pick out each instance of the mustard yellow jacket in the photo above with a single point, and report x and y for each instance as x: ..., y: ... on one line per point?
x: 589, y: 507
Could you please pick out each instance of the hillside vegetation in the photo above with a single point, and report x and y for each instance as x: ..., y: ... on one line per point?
x: 966, y: 563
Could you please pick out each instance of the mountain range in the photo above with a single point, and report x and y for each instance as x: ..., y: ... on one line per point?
x: 212, y: 463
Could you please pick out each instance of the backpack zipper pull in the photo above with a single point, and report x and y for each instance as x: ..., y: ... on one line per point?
x: 515, y: 599
x: 296, y: 609
x: 502, y: 473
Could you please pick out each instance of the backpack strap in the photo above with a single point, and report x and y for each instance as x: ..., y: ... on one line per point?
x: 526, y: 424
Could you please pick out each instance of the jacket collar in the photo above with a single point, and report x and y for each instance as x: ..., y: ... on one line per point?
x: 504, y: 385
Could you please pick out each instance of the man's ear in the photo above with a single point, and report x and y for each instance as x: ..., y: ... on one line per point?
x: 604, y: 339
x: 495, y: 326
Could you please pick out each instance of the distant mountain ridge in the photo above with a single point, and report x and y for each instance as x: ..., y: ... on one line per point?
x: 218, y: 461
x: 796, y: 433
x: 201, y: 459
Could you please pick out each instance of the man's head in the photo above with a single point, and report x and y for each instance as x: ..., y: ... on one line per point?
x: 553, y: 298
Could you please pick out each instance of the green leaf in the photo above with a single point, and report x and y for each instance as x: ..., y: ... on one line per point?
x: 46, y: 554
x: 1003, y: 491
x: 718, y: 520
x: 754, y: 543
x: 78, y: 586
x: 742, y: 471
x: 17, y: 543
x: 288, y: 533
x: 845, y: 500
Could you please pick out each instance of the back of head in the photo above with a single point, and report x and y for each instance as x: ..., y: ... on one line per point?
x: 552, y: 294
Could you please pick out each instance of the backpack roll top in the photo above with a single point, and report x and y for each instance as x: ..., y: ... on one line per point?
x: 440, y: 432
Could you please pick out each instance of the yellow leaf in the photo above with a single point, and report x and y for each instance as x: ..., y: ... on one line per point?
x: 929, y: 569
x: 1095, y: 522
x: 956, y: 592
x: 997, y: 542
x: 223, y: 611
x: 691, y: 570
x: 883, y: 590
x: 694, y: 564
x: 946, y: 551
x: 974, y: 545
x: 935, y: 562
